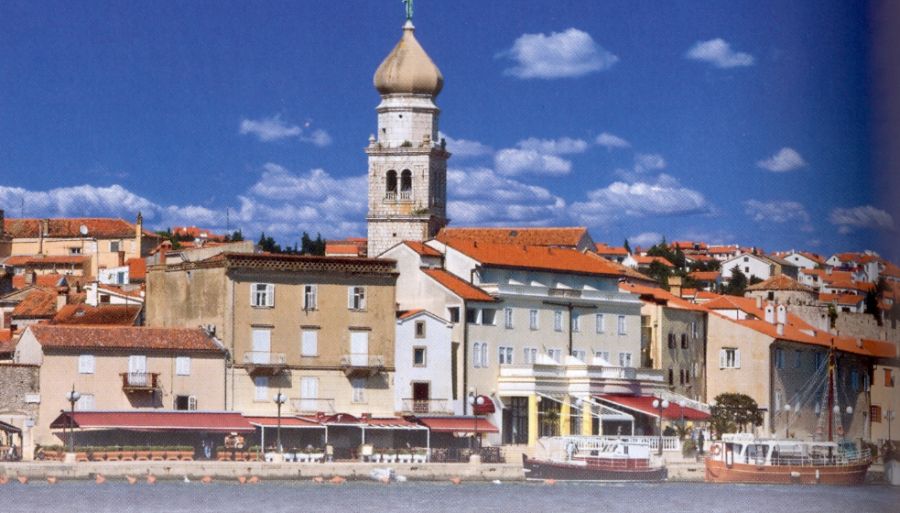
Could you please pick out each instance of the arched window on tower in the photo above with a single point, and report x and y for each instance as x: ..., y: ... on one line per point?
x: 406, y: 184
x: 390, y: 192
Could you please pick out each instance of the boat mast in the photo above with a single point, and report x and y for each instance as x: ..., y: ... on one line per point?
x: 831, y: 364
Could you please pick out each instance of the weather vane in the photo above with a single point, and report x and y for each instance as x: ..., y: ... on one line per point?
x: 409, y: 8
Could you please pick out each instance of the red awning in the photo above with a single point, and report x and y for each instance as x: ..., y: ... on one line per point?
x: 154, y: 421
x: 644, y: 404
x: 286, y: 422
x: 485, y: 408
x: 458, y: 425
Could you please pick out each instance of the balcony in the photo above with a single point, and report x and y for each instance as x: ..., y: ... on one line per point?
x: 264, y: 362
x: 425, y: 406
x: 308, y: 406
x: 362, y: 364
x: 136, y: 382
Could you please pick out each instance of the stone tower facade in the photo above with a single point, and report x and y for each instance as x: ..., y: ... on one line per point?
x: 407, y: 163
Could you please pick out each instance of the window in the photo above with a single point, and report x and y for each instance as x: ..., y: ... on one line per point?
x: 798, y: 358
x: 576, y: 322
x: 695, y: 330
x: 729, y: 358
x: 484, y: 354
x: 74, y: 251
x: 356, y: 298
x: 85, y: 403
x: 419, y: 357
x: 359, y: 390
x: 779, y: 358
x: 621, y: 325
x: 309, y: 393
x: 671, y: 340
x: 472, y: 315
x: 391, y: 184
x: 746, y: 259
x: 624, y: 359
x: 310, y: 297
x: 602, y: 355
x: 488, y: 316
x: 508, y: 317
x: 533, y: 319
x: 820, y: 359
x: 182, y: 365
x: 580, y: 354
x: 875, y: 413
x: 86, y: 364
x: 120, y: 277
x: 600, y: 326
x: 555, y: 354
x: 261, y: 384
x: 453, y: 314
x: 505, y: 355
x: 185, y: 402
x: 420, y: 329
x: 888, y: 378
x: 557, y: 320
x: 671, y: 376
x: 137, y: 364
x: 777, y: 401
x: 309, y: 343
x: 262, y: 295
x: 687, y: 376
x: 113, y: 246
x: 684, y: 341
x: 405, y: 184
x: 476, y: 355
x: 530, y: 355
x: 854, y: 379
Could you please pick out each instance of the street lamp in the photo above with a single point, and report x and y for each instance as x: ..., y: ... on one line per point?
x: 787, y: 424
x: 73, y: 398
x: 279, y: 400
x: 660, y: 405
x: 475, y: 400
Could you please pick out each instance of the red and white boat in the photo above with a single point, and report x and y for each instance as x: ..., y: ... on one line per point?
x: 585, y: 458
x: 743, y: 458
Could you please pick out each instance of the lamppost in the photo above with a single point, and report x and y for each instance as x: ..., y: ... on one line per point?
x: 73, y: 398
x: 787, y: 424
x: 279, y: 400
x: 660, y: 405
x: 889, y: 416
x: 475, y: 400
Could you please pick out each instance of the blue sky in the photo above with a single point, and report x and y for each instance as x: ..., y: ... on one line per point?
x: 739, y: 122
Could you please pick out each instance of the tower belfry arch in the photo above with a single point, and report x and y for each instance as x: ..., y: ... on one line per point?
x: 407, y: 163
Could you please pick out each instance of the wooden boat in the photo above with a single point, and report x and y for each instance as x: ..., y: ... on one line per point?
x: 596, y: 459
x: 742, y: 458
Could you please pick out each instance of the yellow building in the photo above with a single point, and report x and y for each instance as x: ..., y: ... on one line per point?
x: 318, y: 329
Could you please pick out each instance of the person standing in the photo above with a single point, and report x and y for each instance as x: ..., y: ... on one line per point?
x: 700, y: 441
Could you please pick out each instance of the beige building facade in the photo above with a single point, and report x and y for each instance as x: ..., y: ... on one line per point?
x: 320, y: 330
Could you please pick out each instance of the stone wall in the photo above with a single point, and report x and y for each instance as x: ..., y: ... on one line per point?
x: 16, y: 381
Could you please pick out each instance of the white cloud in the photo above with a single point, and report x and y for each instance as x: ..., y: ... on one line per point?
x: 787, y: 159
x: 865, y: 216
x: 645, y: 239
x: 464, y: 148
x: 664, y: 197
x: 571, y: 53
x: 480, y: 196
x: 515, y: 161
x: 561, y: 146
x: 274, y: 129
x: 778, y: 212
x: 719, y: 53
x: 643, y: 162
x: 611, y: 141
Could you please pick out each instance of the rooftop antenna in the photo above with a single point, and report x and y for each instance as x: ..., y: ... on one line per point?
x: 22, y: 206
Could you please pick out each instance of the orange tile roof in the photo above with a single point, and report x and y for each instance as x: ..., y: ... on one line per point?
x: 781, y: 282
x: 705, y: 294
x: 891, y: 270
x: 422, y: 249
x: 457, y: 285
x: 559, y: 236
x: 842, y: 299
x: 864, y: 286
x: 34, y: 260
x: 124, y: 337
x: 824, y: 275
x: 132, y: 291
x: 406, y: 314
x: 41, y: 280
x: 647, y: 260
x: 97, y: 228
x: 196, y: 233
x: 856, y: 258
x: 686, y: 244
x: 124, y: 315
x: 543, y: 258
x: 40, y: 303
x: 723, y: 250
x: 137, y: 269
x: 335, y: 248
x: 605, y: 249
x: 659, y: 295
x: 697, y: 257
x: 705, y: 275
x: 688, y: 292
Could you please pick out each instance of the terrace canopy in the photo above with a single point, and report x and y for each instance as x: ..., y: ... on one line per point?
x: 150, y: 421
x: 643, y: 404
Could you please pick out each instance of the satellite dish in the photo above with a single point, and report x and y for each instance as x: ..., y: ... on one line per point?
x: 83, y: 229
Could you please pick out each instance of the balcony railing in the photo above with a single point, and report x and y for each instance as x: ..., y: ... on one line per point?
x: 405, y: 195
x: 421, y: 406
x: 356, y: 364
x: 139, y: 381
x: 307, y: 405
x: 264, y: 361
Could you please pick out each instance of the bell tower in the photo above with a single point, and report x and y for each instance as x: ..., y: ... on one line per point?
x: 407, y: 164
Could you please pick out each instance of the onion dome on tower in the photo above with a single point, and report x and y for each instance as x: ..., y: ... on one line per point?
x: 408, y: 69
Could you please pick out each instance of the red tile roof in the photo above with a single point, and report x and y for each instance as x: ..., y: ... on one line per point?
x: 647, y: 260
x: 196, y: 233
x: 37, y: 260
x: 338, y: 249
x: 604, y: 249
x: 457, y: 285
x: 41, y: 280
x: 124, y: 337
x: 723, y: 250
x: 686, y: 244
x: 422, y: 249
x: 891, y: 270
x: 406, y: 314
x: 781, y: 282
x: 705, y: 275
x: 658, y: 295
x: 564, y: 236
x: 542, y: 258
x: 40, y: 303
x: 122, y: 315
x: 97, y: 228
x: 842, y: 299
x: 137, y: 269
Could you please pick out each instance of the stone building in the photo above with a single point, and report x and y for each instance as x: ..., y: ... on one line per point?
x: 784, y: 290
x: 407, y: 164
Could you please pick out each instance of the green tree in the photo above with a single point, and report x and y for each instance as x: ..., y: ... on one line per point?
x: 268, y: 244
x: 627, y: 247
x: 737, y: 284
x: 660, y: 273
x: 235, y: 236
x: 873, y: 297
x: 733, y: 412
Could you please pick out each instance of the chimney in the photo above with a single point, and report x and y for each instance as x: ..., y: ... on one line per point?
x: 62, y: 297
x: 828, y: 271
x: 781, y: 314
x: 139, y: 235
x: 779, y: 329
x: 29, y: 278
x: 675, y: 285
x: 770, y: 314
x: 759, y: 302
x: 43, y: 231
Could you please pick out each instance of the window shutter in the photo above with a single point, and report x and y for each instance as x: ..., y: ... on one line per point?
x: 253, y: 295
x: 270, y: 295
x: 310, y: 343
x: 737, y: 358
x: 192, y: 403
x: 722, y: 358
x: 350, y: 298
